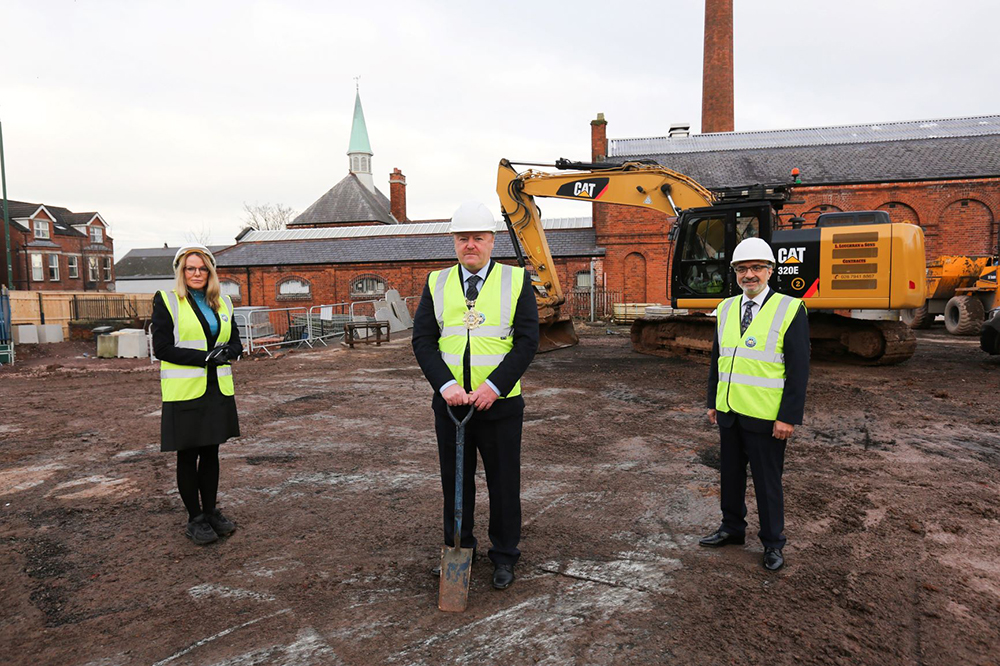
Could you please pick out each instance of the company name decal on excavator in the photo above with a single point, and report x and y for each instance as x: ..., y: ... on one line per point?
x: 588, y: 188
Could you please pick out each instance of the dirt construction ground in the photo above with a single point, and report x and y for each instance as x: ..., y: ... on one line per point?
x: 892, y: 515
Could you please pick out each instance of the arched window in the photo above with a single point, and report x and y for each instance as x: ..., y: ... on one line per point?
x: 294, y: 288
x: 368, y: 285
x: 230, y: 289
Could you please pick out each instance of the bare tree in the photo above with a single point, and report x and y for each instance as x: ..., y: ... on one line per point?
x: 202, y: 236
x: 266, y: 216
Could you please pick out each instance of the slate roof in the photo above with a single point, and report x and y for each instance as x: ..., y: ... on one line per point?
x: 579, y: 242
x: 349, y: 201
x: 874, y: 153
x: 64, y: 218
x: 149, y: 263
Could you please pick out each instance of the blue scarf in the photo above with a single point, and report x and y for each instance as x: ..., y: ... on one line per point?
x: 213, y: 321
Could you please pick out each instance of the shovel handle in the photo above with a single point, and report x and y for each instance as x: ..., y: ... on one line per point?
x: 463, y: 421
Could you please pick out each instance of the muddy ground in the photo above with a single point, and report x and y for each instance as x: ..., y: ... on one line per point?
x: 892, y: 502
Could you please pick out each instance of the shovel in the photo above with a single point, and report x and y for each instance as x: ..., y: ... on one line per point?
x: 456, y: 562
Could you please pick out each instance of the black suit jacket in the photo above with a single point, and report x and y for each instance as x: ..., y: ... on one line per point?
x: 793, y: 398
x: 514, y: 364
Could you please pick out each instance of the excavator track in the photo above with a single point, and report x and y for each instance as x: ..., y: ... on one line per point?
x: 832, y: 337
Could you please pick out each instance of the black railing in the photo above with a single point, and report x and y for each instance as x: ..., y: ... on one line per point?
x: 578, y: 303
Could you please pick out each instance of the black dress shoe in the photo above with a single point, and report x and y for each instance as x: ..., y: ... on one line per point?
x: 503, y: 576
x: 436, y: 571
x: 722, y: 538
x: 773, y: 559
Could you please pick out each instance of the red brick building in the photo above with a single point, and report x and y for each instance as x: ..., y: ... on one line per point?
x: 54, y: 249
x: 943, y: 175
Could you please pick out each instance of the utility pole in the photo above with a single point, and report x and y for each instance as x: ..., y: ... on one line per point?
x: 6, y: 217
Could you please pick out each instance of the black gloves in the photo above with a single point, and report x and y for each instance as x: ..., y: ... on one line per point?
x: 217, y: 357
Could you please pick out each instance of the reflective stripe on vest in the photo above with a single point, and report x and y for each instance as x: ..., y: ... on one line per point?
x: 490, y: 342
x: 752, y: 365
x: 186, y: 382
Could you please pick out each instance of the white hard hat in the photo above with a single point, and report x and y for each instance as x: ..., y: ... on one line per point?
x: 472, y: 216
x: 751, y: 249
x: 193, y: 247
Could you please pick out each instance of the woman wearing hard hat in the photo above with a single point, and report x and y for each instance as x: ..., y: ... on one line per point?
x: 195, y: 340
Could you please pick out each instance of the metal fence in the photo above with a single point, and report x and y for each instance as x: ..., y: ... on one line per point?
x: 266, y: 329
x: 600, y: 304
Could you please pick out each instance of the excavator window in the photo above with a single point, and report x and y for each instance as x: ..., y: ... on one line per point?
x: 747, y: 227
x: 703, y: 267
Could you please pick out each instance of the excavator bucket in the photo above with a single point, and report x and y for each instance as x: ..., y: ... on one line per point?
x: 556, y: 334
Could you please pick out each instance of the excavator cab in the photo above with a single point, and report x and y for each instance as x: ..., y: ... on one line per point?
x: 705, y: 240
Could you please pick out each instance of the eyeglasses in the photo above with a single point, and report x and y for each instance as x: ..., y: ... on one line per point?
x: 192, y: 270
x: 756, y: 268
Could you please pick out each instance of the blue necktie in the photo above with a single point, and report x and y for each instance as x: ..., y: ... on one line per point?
x: 472, y: 293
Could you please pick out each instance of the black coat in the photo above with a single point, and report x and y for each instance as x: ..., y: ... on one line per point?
x: 505, y: 376
x: 204, y: 421
x: 793, y: 398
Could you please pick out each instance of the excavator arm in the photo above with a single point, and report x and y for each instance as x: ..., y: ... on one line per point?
x: 633, y: 184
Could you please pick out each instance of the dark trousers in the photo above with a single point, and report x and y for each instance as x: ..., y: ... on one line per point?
x: 766, y: 456
x: 499, y: 443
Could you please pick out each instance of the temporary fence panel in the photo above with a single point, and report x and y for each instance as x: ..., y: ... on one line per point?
x: 327, y: 321
x: 269, y: 328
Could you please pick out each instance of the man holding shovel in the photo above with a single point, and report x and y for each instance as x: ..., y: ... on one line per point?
x: 474, y: 334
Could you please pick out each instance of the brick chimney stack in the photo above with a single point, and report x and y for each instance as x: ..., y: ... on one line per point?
x: 717, y: 73
x: 598, y: 152
x: 397, y: 195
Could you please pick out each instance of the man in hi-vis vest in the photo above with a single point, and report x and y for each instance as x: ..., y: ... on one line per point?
x: 474, y: 334
x: 756, y: 394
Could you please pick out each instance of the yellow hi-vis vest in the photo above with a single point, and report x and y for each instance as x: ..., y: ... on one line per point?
x: 489, y: 342
x: 752, y: 365
x: 186, y: 382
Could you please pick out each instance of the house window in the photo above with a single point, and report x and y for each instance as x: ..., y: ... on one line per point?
x: 368, y: 286
x: 96, y: 234
x: 230, y: 289
x: 37, y: 268
x: 93, y: 269
x: 294, y: 288
x: 41, y: 228
x: 583, y: 280
x: 73, y: 267
x: 54, y: 267
x: 107, y: 269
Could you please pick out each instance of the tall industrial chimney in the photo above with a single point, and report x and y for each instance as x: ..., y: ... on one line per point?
x: 717, y: 73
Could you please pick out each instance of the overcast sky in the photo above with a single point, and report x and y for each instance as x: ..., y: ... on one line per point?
x: 167, y: 116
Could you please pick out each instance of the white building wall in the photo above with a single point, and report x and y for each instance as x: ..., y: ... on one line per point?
x: 143, y: 286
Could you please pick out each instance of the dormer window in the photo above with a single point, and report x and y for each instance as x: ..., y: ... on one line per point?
x: 96, y: 235
x: 41, y: 228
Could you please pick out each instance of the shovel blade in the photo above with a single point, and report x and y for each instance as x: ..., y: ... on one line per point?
x: 456, y: 565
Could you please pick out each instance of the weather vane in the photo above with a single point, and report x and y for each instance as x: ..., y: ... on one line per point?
x: 357, y: 83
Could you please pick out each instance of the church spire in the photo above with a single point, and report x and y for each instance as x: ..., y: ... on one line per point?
x: 359, y: 151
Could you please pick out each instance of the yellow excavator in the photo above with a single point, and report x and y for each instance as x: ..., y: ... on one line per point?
x: 852, y: 269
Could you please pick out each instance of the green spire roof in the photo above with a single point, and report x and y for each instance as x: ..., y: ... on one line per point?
x: 359, y: 132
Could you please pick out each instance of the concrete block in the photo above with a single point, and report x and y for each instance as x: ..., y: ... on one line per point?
x: 131, y: 344
x: 107, y: 346
x: 399, y: 308
x: 25, y: 334
x: 383, y: 312
x: 49, y: 333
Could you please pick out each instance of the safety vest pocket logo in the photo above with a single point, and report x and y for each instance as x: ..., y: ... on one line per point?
x: 751, y: 341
